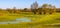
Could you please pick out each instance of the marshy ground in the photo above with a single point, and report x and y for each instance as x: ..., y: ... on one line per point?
x: 37, y: 21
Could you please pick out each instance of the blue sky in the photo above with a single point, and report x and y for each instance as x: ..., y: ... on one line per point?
x: 26, y: 3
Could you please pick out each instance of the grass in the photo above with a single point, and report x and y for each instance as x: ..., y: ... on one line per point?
x: 37, y: 20
x: 51, y: 18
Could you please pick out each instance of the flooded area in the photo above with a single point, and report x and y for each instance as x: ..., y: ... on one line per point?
x: 18, y: 20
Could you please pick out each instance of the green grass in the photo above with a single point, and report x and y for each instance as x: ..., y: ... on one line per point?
x: 37, y: 20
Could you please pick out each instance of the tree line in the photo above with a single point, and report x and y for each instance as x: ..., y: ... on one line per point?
x: 45, y: 8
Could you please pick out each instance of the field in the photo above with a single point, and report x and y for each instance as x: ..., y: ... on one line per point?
x: 38, y: 21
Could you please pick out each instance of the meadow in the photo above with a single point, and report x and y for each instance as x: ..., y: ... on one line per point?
x: 38, y: 21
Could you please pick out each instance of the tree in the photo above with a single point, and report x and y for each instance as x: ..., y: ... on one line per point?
x: 44, y: 5
x: 14, y: 9
x: 34, y: 6
x: 52, y: 9
x: 25, y: 9
x: 40, y: 10
x: 44, y: 8
x: 9, y: 10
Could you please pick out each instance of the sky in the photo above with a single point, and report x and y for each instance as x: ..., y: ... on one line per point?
x: 26, y: 3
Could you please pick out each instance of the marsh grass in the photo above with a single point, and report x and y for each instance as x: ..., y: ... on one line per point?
x: 38, y: 21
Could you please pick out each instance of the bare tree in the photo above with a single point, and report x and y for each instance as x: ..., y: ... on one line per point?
x: 14, y: 9
x: 34, y: 6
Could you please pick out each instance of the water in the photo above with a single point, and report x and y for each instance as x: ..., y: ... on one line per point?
x: 23, y: 20
x: 18, y: 20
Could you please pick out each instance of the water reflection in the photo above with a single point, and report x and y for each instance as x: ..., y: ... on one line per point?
x: 18, y: 20
x: 23, y: 20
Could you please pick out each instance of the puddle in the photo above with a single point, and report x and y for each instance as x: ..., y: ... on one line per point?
x: 23, y: 20
x: 18, y: 20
